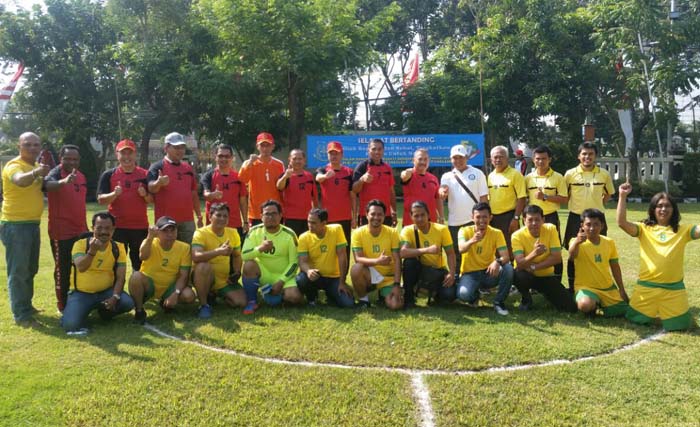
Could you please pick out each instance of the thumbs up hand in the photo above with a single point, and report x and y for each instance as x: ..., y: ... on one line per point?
x: 217, y: 193
x: 162, y: 180
x: 118, y: 189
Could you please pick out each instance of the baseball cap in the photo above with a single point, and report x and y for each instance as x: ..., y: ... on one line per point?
x: 126, y: 144
x: 165, y: 222
x: 518, y: 152
x: 174, y: 138
x: 334, y: 146
x: 458, y: 150
x: 264, y: 137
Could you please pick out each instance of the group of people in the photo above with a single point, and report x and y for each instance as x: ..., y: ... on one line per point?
x: 267, y: 236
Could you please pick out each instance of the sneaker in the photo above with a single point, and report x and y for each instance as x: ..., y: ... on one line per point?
x: 140, y: 317
x: 250, y: 308
x: 500, y: 309
x: 513, y: 290
x: 362, y: 304
x: 205, y: 312
x: 78, y: 333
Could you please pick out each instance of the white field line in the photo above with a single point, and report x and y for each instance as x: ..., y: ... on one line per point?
x: 408, y: 371
x: 420, y: 389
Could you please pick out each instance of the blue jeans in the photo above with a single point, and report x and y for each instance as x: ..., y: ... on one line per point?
x: 22, y: 243
x: 80, y: 304
x: 469, y: 284
x: 329, y: 284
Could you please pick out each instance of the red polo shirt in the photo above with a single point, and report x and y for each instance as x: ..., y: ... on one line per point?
x: 298, y: 195
x: 420, y: 187
x: 174, y: 199
x: 379, y: 188
x: 231, y: 187
x: 128, y: 208
x: 67, y: 206
x: 336, y: 193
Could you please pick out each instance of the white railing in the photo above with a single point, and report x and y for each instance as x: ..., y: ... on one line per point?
x: 650, y: 168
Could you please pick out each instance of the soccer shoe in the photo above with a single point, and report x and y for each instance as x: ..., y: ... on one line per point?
x: 205, y: 312
x: 140, y: 317
x: 251, y: 307
x: 500, y: 309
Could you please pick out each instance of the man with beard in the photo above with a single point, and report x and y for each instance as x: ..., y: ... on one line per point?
x: 270, y: 258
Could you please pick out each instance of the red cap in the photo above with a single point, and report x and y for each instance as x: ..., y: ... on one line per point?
x: 125, y: 144
x: 264, y: 137
x: 518, y: 152
x: 334, y: 146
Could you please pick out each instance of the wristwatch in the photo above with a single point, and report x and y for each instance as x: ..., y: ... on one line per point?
x: 545, y: 197
x: 516, y: 217
x: 532, y: 267
x: 177, y: 291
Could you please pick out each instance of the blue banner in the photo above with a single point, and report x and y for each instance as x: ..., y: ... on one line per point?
x: 398, y: 149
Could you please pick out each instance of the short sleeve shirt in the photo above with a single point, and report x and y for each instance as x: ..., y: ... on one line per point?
x: 100, y: 275
x: 593, y: 263
x: 174, y: 199
x: 552, y: 184
x: 587, y: 188
x: 481, y: 254
x: 282, y: 261
x: 422, y: 187
x: 164, y: 266
x: 232, y: 188
x: 67, y: 205
x: 208, y: 240
x: 372, y: 246
x: 261, y: 179
x: 129, y: 208
x: 380, y: 187
x: 523, y: 243
x: 322, y: 252
x: 21, y: 204
x: 336, y: 193
x: 662, y: 252
x: 298, y: 195
x: 438, y: 234
x: 505, y: 188
x: 459, y: 203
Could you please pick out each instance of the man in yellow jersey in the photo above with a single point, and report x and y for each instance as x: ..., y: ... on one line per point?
x: 323, y: 261
x: 589, y: 186
x: 547, y: 189
x: 270, y: 257
x: 22, y: 206
x: 98, y: 277
x: 537, y: 249
x: 480, y: 268
x: 424, y: 265
x: 596, y: 257
x: 507, y: 195
x: 216, y: 253
x: 165, y: 269
x: 660, y: 290
x: 375, y: 247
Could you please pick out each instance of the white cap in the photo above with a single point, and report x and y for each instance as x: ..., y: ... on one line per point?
x: 174, y: 138
x: 458, y: 150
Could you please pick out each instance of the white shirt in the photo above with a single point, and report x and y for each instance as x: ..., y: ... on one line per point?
x: 459, y: 202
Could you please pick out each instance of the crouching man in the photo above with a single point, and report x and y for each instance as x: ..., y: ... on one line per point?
x: 377, y: 262
x: 216, y: 252
x: 424, y: 264
x: 165, y: 269
x: 98, y: 277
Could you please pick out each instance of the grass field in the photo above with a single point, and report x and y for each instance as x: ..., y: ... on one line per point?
x: 124, y: 374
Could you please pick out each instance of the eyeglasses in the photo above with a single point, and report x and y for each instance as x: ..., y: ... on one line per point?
x: 223, y: 156
x: 664, y: 205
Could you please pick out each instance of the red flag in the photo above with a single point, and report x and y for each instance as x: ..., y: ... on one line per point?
x: 7, y: 91
x: 412, y: 76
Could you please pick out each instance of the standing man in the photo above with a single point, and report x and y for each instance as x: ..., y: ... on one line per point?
x: 377, y: 262
x: 337, y: 197
x: 537, y: 249
x: 520, y: 162
x: 165, y: 271
x: 481, y: 269
x: 374, y: 179
x: 67, y: 188
x: 223, y: 185
x: 270, y: 256
x: 98, y: 277
x: 23, y: 203
x: 125, y: 190
x: 507, y: 195
x: 260, y: 173
x: 462, y: 187
x: 298, y: 192
x: 174, y: 185
x: 589, y: 186
x: 422, y: 244
x: 323, y: 261
x: 216, y: 253
x: 546, y: 189
x: 419, y: 184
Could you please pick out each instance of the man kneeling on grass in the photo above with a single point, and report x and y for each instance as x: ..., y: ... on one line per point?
x: 323, y: 261
x: 377, y: 262
x: 99, y: 270
x: 480, y: 268
x: 270, y: 257
x: 537, y: 249
x: 424, y: 264
x: 595, y: 256
x: 216, y: 252
x: 165, y: 269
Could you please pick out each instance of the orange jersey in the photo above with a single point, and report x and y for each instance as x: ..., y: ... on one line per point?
x: 261, y: 178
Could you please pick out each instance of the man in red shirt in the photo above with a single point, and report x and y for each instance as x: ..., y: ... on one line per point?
x: 66, y: 187
x: 374, y: 179
x: 174, y: 187
x: 336, y: 190
x: 222, y: 184
x: 419, y: 184
x: 124, y: 189
x: 260, y: 173
x: 298, y: 192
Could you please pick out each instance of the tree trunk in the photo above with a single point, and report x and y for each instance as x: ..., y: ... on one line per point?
x: 637, y: 128
x: 297, y: 111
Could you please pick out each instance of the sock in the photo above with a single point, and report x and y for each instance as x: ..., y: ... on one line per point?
x: 250, y: 286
